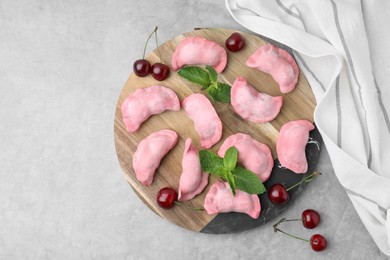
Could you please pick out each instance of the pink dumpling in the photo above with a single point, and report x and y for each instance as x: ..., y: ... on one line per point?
x: 277, y: 62
x: 145, y: 102
x: 291, y: 145
x: 255, y: 156
x: 199, y: 51
x: 192, y: 180
x: 206, y: 120
x: 149, y: 153
x: 220, y: 199
x: 253, y: 105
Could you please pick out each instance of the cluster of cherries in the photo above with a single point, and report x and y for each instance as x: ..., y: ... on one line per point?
x: 278, y: 195
x: 167, y: 198
x: 160, y: 71
x: 310, y: 219
x: 142, y: 67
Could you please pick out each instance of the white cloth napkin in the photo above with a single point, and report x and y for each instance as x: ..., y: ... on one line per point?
x: 343, y: 48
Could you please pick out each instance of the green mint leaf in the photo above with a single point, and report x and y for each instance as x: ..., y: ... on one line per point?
x: 247, y: 181
x: 222, y: 93
x: 230, y: 158
x: 196, y: 75
x: 212, y: 91
x: 212, y: 73
x: 212, y: 163
x: 230, y: 179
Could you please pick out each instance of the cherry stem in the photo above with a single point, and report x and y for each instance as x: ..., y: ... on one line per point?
x: 158, y: 49
x: 294, y: 219
x: 308, y: 178
x: 277, y: 229
x: 188, y: 207
x: 154, y: 31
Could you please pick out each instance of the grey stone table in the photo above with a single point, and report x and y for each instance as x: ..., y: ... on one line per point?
x: 62, y: 192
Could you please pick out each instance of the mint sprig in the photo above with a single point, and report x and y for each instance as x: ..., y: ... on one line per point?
x: 212, y: 163
x: 247, y: 181
x: 213, y: 75
x: 226, y: 168
x: 230, y: 158
x: 207, y: 78
x: 195, y: 75
x: 220, y: 92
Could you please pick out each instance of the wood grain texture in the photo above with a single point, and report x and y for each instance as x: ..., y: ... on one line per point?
x: 299, y: 104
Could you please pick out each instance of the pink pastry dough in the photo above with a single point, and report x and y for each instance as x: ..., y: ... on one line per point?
x: 220, y: 199
x: 199, y: 51
x: 253, y: 105
x: 149, y: 153
x: 206, y: 120
x: 277, y: 62
x: 192, y: 180
x: 145, y: 102
x: 291, y: 144
x: 255, y: 156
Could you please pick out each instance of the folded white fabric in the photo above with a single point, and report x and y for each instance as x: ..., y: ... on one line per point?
x: 342, y: 47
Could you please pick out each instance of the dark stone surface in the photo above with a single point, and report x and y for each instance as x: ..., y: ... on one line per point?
x: 232, y: 222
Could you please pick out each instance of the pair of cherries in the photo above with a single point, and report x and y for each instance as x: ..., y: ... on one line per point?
x: 159, y: 71
x: 142, y: 67
x: 310, y: 219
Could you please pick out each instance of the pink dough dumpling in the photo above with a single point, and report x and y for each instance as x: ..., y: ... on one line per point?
x: 291, y: 145
x: 145, y: 102
x: 206, y: 120
x: 192, y: 180
x: 220, y: 199
x: 277, y: 62
x: 253, y: 105
x: 255, y: 156
x: 199, y: 51
x: 149, y: 153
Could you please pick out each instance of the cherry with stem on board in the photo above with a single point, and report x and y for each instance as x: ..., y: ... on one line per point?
x: 142, y: 66
x: 278, y: 193
x: 167, y: 198
x: 160, y: 71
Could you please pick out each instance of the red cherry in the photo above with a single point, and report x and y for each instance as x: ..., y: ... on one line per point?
x: 166, y: 197
x: 310, y: 218
x: 318, y: 242
x: 141, y: 67
x: 277, y: 194
x: 235, y: 42
x: 160, y: 71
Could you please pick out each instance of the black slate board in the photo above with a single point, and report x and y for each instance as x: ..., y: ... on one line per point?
x: 232, y: 222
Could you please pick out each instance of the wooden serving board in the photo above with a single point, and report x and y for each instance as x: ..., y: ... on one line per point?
x: 299, y: 104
